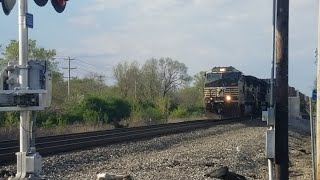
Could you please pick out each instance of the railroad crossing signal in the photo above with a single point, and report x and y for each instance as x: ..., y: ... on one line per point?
x: 29, y: 93
x: 58, y: 5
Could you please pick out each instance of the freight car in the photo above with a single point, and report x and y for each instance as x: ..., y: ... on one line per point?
x: 229, y: 93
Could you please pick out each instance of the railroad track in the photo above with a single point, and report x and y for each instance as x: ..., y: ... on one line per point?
x: 79, y: 141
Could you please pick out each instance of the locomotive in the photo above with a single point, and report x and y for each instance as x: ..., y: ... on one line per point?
x: 229, y: 93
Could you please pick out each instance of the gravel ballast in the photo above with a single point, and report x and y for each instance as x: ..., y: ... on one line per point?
x: 239, y: 146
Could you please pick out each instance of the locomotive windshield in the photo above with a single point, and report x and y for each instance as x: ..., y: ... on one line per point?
x: 213, y: 77
x: 230, y: 75
x: 217, y: 76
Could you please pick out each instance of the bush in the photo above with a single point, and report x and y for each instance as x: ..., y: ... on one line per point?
x: 10, y: 119
x: 49, y: 122
x: 163, y: 104
x: 180, y: 112
x: 99, y: 110
x: 61, y: 122
x: 152, y: 114
x: 46, y: 119
x: 91, y: 117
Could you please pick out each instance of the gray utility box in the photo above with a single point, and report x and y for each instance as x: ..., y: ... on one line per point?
x: 269, y: 116
x: 33, y: 163
x: 36, y: 96
x: 270, y: 144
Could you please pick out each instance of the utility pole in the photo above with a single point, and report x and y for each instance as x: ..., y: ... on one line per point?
x: 281, y: 120
x: 312, y: 137
x: 135, y: 89
x: 100, y: 80
x: 69, y: 72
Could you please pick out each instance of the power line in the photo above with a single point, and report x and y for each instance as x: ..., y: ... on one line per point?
x: 80, y: 72
x: 84, y: 73
x: 91, y: 68
x: 108, y: 69
x: 85, y: 70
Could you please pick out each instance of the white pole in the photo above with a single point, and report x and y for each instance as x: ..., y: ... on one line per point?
x: 23, y: 77
x: 69, y: 74
x: 270, y: 161
x: 318, y: 101
x: 312, y: 140
x: 23, y: 81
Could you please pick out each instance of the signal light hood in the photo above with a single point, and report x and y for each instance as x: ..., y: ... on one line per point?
x: 7, y: 6
x: 41, y: 3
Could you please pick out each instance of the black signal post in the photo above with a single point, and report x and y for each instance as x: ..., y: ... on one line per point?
x: 281, y: 120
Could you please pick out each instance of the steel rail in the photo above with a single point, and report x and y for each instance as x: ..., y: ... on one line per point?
x: 80, y: 141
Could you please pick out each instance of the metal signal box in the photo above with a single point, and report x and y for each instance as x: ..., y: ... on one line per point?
x: 36, y: 96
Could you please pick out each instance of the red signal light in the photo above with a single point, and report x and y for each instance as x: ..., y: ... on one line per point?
x: 59, y: 5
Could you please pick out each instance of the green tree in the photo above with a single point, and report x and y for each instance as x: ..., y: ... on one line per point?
x: 128, y: 77
x: 11, y: 119
x: 173, y: 75
x: 150, y: 80
x: 118, y: 109
x: 34, y: 52
x: 199, y: 82
x: 1, y: 51
x: 59, y: 91
x: 188, y: 98
x: 85, y: 86
x: 12, y: 51
x: 98, y: 110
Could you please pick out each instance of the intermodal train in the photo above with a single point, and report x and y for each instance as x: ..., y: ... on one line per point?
x: 230, y: 93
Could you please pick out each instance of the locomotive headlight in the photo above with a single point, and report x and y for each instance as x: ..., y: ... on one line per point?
x: 228, y: 98
x: 211, y: 98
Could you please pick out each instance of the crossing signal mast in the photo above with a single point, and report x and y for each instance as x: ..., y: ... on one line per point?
x: 25, y: 86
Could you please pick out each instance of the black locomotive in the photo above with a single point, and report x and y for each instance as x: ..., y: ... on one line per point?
x: 229, y: 93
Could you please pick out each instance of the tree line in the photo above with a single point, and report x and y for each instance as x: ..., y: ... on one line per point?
x: 152, y: 92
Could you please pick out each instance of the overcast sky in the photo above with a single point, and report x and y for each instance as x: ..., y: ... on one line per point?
x: 200, y: 33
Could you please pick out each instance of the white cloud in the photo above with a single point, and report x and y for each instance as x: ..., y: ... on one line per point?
x: 101, y: 5
x: 84, y: 20
x: 200, y: 33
